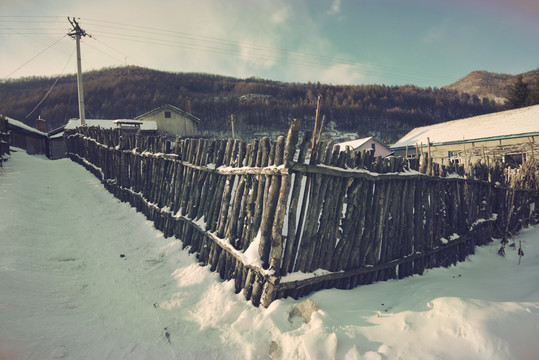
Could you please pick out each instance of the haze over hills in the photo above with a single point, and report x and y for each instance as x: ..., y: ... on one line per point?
x: 492, y: 86
x: 259, y: 106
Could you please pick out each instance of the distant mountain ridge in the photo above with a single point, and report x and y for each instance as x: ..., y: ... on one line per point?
x: 493, y: 86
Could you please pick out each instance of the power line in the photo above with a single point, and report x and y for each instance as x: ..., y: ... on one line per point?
x: 41, y: 52
x: 292, y: 59
x: 219, y: 43
x: 101, y: 51
x: 229, y: 47
x: 114, y: 49
x: 216, y: 45
x: 48, y: 92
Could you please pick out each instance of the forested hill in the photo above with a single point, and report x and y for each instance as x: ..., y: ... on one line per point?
x: 493, y: 86
x: 258, y: 105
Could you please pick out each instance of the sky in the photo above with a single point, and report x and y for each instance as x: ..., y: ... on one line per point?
x: 66, y: 292
x: 422, y: 42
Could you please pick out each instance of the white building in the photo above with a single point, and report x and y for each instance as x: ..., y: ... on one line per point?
x: 507, y: 135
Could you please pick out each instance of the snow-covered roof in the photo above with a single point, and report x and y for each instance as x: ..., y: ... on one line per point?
x: 57, y: 136
x: 354, y: 144
x: 22, y: 125
x: 129, y: 122
x: 111, y: 124
x: 503, y: 124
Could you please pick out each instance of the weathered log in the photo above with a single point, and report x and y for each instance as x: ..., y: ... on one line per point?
x: 262, y: 160
x: 251, y: 190
x: 276, y: 252
x: 231, y: 226
x: 270, y: 206
x: 229, y: 183
x: 242, y: 217
x: 364, y: 244
x: 332, y: 212
x: 217, y: 199
x: 291, y: 247
x: 307, y: 236
x: 408, y: 237
x: 199, y: 179
x: 231, y: 231
x: 258, y: 286
x: 350, y: 229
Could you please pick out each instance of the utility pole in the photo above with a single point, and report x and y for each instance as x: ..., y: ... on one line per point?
x: 77, y: 33
x: 232, y: 125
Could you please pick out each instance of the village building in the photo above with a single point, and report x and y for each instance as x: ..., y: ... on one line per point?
x: 26, y: 137
x: 57, y: 144
x: 172, y: 120
x: 368, y: 143
x: 509, y: 136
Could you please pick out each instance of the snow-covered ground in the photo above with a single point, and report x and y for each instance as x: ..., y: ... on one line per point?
x: 83, y: 276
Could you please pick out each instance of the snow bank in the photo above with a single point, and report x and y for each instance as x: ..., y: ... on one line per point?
x: 83, y: 276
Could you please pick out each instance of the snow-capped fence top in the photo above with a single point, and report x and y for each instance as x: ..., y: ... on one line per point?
x: 239, y: 207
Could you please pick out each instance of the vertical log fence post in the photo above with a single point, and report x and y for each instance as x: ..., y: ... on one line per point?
x: 308, y: 177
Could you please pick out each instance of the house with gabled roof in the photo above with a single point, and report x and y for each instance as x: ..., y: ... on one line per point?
x: 509, y: 136
x: 172, y: 120
x: 25, y: 137
x: 368, y: 143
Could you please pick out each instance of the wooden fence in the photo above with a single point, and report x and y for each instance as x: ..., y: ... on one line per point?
x: 4, y: 139
x: 239, y: 206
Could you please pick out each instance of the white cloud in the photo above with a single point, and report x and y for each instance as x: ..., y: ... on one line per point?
x: 261, y: 55
x: 343, y: 74
x: 335, y: 7
x: 338, y: 74
x: 247, y: 39
x: 436, y: 34
x: 281, y: 15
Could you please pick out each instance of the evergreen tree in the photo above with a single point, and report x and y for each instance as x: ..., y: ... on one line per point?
x: 518, y: 94
x: 533, y: 96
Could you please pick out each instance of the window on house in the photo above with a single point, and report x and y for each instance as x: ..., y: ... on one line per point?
x: 514, y: 159
x: 167, y: 114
